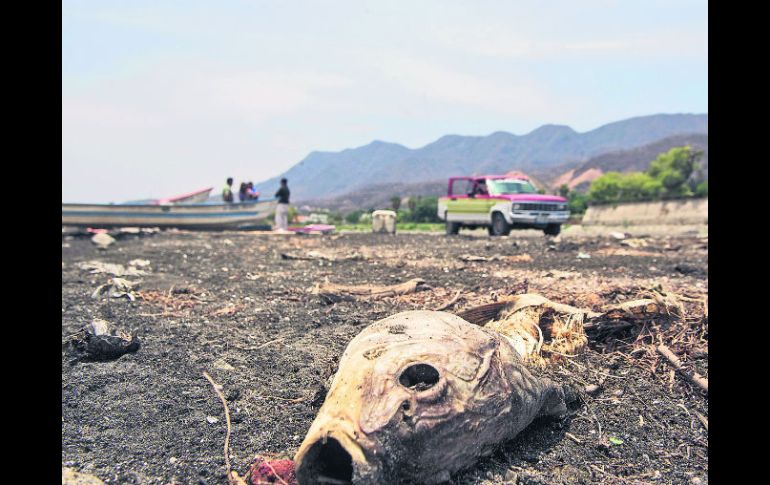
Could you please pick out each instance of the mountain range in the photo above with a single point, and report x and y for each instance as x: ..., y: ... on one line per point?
x: 547, y: 153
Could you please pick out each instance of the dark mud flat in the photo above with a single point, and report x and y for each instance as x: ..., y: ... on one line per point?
x: 228, y: 304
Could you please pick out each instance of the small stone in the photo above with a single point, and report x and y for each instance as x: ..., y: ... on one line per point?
x: 592, y: 388
x: 73, y: 477
x: 102, y: 240
x: 212, y: 419
x: 172, y: 460
x: 222, y: 364
x: 511, y: 476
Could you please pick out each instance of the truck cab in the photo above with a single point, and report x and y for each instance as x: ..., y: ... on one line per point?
x: 500, y: 203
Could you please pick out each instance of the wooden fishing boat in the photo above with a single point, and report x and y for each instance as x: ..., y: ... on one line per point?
x: 210, y: 216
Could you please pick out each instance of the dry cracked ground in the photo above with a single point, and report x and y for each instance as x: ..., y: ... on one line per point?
x: 231, y: 305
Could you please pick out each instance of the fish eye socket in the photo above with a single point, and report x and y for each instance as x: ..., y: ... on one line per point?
x: 419, y: 377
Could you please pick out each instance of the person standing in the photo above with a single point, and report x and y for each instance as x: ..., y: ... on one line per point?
x: 227, y: 191
x: 282, y: 210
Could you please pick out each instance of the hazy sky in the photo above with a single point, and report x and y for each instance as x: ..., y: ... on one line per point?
x: 164, y: 97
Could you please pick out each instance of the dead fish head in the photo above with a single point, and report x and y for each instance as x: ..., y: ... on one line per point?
x: 409, y: 392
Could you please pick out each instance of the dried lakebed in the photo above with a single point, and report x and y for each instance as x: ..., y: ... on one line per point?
x: 230, y: 304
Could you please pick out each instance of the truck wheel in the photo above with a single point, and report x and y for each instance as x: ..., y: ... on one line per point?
x: 552, y: 229
x: 500, y: 226
x: 452, y: 228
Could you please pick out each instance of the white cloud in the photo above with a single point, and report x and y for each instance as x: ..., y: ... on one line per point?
x: 434, y: 81
x: 502, y: 42
x: 175, y: 94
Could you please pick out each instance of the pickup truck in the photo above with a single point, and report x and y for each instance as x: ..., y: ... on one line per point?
x: 500, y: 203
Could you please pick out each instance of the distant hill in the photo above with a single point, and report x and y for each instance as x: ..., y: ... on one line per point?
x: 544, y: 151
x: 378, y: 196
x: 579, y: 177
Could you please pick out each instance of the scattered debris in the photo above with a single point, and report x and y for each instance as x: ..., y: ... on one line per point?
x: 534, y: 324
x: 332, y: 293
x: 634, y: 243
x: 469, y: 258
x: 100, y: 341
x: 573, y: 438
x: 560, y: 275
x: 310, y: 255
x: 264, y: 471
x: 450, y: 302
x: 116, y: 288
x: 222, y: 364
x: 583, y: 256
x: 229, y: 310
x: 516, y: 258
x: 702, y: 419
x: 70, y: 476
x: 618, y: 235
x: 314, y: 229
x: 593, y: 389
x: 172, y: 301
x: 102, y: 240
x: 692, y: 376
x: 624, y: 252
x: 98, y: 267
x: 232, y: 477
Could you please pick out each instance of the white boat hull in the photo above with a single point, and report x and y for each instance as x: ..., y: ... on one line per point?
x: 190, y: 216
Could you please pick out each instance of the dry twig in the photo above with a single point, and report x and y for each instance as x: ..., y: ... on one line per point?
x: 703, y: 420
x: 692, y: 376
x: 232, y: 478
x: 450, y: 302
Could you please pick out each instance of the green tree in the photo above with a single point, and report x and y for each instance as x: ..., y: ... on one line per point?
x: 577, y: 202
x: 637, y: 186
x: 354, y: 216
x: 605, y: 188
x: 702, y: 190
x: 674, y: 168
x: 564, y: 190
x: 395, y: 202
x: 425, y: 210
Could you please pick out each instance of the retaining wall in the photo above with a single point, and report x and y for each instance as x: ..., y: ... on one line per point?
x: 687, y: 211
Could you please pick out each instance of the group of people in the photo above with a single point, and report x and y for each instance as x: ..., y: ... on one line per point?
x: 247, y: 192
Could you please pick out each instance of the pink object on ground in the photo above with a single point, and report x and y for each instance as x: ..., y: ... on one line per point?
x: 96, y: 231
x: 264, y: 471
x: 323, y: 228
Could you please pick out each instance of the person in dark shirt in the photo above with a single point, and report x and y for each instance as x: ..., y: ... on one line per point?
x: 243, y: 192
x: 282, y: 210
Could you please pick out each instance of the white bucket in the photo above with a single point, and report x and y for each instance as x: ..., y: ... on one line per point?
x: 384, y: 221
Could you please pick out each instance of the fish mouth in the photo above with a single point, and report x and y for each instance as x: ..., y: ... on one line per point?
x: 333, y: 458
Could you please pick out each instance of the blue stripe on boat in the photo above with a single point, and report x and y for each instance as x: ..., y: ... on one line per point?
x: 165, y: 215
